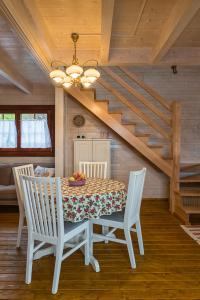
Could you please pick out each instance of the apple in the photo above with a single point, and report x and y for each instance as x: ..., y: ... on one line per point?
x: 71, y: 178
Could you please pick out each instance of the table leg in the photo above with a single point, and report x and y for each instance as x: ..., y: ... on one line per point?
x: 93, y: 261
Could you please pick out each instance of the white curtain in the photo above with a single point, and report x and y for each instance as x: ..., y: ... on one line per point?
x: 8, y: 134
x: 35, y: 134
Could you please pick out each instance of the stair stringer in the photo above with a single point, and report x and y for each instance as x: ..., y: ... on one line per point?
x: 124, y: 133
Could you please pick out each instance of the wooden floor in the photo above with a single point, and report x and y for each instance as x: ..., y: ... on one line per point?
x: 170, y: 268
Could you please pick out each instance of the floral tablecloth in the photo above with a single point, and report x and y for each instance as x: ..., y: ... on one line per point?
x: 97, y: 197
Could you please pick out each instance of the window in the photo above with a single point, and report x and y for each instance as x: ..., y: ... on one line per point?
x: 27, y: 130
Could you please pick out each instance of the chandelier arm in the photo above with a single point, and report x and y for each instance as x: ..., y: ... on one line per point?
x: 58, y: 63
x: 90, y: 60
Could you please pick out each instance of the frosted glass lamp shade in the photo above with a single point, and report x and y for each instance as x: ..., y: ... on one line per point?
x: 67, y: 82
x: 92, y: 75
x: 58, y: 76
x: 74, y: 71
x: 85, y: 82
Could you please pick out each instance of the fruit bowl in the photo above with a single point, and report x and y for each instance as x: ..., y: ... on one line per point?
x: 77, y: 179
x: 77, y: 182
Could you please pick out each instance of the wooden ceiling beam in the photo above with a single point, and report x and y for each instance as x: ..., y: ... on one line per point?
x: 181, y: 15
x: 22, y: 21
x: 9, y: 72
x: 106, y: 29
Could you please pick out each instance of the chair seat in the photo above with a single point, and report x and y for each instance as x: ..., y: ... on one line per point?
x: 70, y: 226
x: 114, y: 220
x: 116, y: 216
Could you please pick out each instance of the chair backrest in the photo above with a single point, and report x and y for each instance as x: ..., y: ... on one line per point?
x: 17, y: 171
x: 94, y: 169
x: 134, y: 196
x: 43, y: 205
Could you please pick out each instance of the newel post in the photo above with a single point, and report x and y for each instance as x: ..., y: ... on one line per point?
x: 176, y: 140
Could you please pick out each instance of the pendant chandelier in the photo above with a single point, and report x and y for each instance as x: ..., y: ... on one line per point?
x: 73, y: 75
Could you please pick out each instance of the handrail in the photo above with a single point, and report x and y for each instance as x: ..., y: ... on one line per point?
x: 136, y: 110
x: 139, y: 96
x: 147, y: 88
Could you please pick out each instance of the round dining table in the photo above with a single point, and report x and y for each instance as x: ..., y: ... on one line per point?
x: 96, y: 198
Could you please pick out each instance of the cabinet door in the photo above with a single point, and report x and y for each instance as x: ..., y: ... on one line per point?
x: 101, y: 152
x: 82, y: 152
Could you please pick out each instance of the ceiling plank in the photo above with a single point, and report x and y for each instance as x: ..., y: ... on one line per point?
x: 8, y: 71
x: 106, y: 29
x: 22, y: 22
x: 134, y: 29
x: 181, y: 15
x: 40, y: 27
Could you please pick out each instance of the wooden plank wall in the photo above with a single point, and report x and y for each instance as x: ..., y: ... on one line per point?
x: 183, y: 87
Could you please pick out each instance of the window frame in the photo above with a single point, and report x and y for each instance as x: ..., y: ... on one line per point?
x: 30, y: 109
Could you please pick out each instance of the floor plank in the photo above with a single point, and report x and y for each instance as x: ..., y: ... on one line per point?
x: 170, y: 268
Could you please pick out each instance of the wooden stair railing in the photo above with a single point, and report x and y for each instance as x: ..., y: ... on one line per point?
x: 147, y: 88
x: 139, y: 96
x: 139, y: 141
x: 116, y: 126
x: 135, y: 109
x: 175, y: 149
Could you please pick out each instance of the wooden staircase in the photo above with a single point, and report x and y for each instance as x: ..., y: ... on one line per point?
x: 188, y: 196
x: 167, y: 113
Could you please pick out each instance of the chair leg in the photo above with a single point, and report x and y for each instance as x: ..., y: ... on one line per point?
x: 29, y: 262
x: 87, y: 245
x: 56, y: 276
x: 130, y: 248
x: 20, y: 227
x: 105, y: 230
x: 91, y: 238
x: 139, y: 236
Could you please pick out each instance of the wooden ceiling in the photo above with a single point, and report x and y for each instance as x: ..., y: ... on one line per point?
x: 33, y: 33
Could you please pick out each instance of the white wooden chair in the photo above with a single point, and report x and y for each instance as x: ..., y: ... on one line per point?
x: 21, y: 170
x: 44, y: 214
x: 127, y: 218
x: 93, y: 169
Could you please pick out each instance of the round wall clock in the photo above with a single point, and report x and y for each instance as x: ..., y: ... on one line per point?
x: 79, y: 121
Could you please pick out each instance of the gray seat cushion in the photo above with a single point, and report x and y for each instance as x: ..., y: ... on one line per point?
x: 116, y: 216
x: 69, y: 226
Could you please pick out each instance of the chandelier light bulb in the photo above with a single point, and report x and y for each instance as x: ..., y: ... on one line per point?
x: 92, y: 75
x: 57, y: 79
x: 67, y: 82
x: 85, y: 82
x: 74, y: 71
x: 58, y: 76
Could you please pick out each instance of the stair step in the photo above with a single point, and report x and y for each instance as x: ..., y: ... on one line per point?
x: 190, y: 167
x: 191, y: 209
x: 129, y: 126
x: 144, y: 137
x: 192, y: 178
x: 190, y: 192
x: 103, y: 104
x: 117, y: 115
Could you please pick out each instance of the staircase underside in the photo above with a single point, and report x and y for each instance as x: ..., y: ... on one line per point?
x: 114, y: 123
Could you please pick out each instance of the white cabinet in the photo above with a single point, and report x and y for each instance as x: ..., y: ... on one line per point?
x: 92, y: 150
